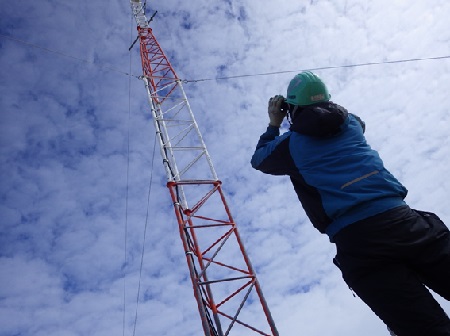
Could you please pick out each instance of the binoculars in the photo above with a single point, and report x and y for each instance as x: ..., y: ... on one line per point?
x: 285, y: 107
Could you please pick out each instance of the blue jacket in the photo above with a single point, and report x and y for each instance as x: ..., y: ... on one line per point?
x: 338, y: 177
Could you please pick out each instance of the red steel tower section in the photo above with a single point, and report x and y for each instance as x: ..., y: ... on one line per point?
x: 228, y: 295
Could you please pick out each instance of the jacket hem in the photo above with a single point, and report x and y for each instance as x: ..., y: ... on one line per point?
x: 363, y: 211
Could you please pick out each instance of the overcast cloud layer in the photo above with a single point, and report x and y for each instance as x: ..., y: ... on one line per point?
x: 71, y: 239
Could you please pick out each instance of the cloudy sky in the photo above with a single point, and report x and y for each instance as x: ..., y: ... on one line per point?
x: 81, y: 180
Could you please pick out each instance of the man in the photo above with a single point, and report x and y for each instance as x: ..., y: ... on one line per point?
x: 387, y: 252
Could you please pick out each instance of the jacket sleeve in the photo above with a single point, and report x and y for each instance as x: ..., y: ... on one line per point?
x: 272, y: 153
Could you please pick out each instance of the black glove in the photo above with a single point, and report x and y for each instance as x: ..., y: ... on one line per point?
x: 276, y: 115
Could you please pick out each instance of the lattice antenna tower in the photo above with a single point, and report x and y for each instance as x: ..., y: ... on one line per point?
x: 228, y: 294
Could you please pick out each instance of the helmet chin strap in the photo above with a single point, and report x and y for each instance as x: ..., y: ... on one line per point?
x: 289, y: 119
x: 291, y: 114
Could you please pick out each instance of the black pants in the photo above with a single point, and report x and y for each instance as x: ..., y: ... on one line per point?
x: 390, y: 259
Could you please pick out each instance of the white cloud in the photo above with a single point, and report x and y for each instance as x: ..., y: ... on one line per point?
x: 64, y: 143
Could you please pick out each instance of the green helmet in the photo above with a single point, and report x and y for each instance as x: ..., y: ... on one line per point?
x: 306, y: 88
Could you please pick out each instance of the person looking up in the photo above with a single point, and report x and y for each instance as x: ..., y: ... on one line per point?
x: 387, y: 252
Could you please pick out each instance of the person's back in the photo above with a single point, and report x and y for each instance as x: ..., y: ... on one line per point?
x: 338, y: 177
